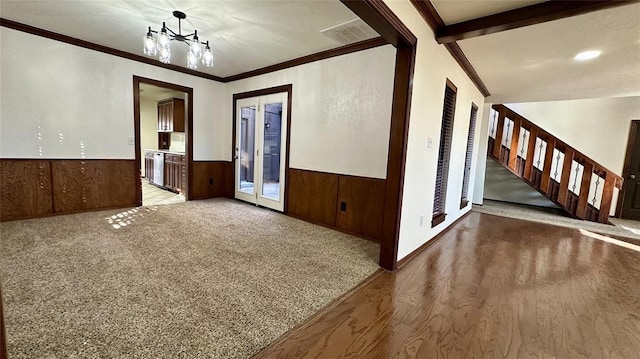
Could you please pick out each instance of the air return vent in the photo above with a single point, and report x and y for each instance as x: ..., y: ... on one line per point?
x: 350, y: 32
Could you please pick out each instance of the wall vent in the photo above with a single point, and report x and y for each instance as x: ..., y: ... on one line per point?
x: 350, y: 32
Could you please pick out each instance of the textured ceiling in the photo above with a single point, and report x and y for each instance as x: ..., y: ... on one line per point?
x: 158, y: 93
x: 245, y: 35
x: 535, y: 63
x: 454, y: 11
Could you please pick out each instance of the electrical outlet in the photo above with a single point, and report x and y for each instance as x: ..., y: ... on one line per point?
x: 211, y: 180
x: 421, y: 221
x: 429, y: 142
x: 343, y: 206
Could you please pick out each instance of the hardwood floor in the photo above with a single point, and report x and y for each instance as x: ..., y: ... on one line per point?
x: 492, y: 287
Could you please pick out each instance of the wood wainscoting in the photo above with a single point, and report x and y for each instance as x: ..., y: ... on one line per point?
x: 212, y: 179
x: 31, y: 188
x: 25, y: 189
x: 350, y: 204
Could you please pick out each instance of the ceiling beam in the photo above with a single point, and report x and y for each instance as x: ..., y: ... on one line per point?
x: 525, y: 16
x: 432, y: 18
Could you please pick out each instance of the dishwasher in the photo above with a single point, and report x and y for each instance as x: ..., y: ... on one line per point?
x: 158, y: 169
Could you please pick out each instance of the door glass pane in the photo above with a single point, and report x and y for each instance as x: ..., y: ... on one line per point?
x: 247, y: 148
x: 271, y: 151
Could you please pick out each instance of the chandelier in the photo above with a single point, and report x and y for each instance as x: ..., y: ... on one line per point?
x: 160, y: 44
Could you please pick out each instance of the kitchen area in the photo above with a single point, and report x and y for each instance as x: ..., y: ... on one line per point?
x: 162, y: 139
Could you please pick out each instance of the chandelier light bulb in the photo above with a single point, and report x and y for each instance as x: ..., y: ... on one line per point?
x: 192, y: 61
x: 195, y: 47
x: 159, y: 43
x: 165, y: 55
x: 149, y: 45
x: 207, y: 56
x: 163, y: 39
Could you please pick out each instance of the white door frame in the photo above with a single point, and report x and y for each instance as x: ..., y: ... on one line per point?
x: 259, y: 103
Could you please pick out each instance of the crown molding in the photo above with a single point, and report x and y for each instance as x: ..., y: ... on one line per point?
x: 524, y: 16
x: 343, y: 50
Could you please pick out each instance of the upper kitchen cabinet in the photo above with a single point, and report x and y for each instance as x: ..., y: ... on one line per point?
x: 171, y: 115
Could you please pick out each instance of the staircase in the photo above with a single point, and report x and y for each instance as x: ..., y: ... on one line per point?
x: 574, y: 182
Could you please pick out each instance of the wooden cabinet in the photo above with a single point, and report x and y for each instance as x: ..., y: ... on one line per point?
x: 175, y: 172
x: 148, y: 166
x: 171, y: 115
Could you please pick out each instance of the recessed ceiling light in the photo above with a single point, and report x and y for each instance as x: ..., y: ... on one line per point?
x: 587, y: 55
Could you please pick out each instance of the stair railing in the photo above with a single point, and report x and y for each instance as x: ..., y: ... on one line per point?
x: 571, y: 180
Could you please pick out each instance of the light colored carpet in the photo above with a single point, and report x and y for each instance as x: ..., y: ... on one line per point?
x: 214, y: 279
x: 550, y: 216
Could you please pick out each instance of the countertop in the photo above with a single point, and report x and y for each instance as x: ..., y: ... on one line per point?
x: 165, y: 151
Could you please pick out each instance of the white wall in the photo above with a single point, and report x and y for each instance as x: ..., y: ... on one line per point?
x: 341, y: 111
x: 481, y: 164
x: 56, y: 96
x: 599, y: 128
x: 148, y: 126
x: 433, y: 66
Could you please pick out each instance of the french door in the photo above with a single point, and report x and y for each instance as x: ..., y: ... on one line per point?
x: 261, y: 132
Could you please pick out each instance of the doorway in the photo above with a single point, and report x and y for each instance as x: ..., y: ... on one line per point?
x: 260, y: 149
x: 163, y: 123
x: 629, y: 201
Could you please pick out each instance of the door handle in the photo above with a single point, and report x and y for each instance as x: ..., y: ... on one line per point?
x: 632, y: 176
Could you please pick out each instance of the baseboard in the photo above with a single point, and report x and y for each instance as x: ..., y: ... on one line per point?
x: 55, y: 214
x: 318, y: 223
x: 427, y: 244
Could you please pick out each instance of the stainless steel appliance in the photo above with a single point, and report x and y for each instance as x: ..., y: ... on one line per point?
x: 158, y: 169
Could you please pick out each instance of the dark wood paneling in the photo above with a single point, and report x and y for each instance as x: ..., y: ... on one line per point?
x: 566, y: 175
x: 524, y: 16
x: 554, y: 189
x: 25, y: 189
x: 313, y: 196
x: 104, y: 49
x: 364, y: 202
x: 382, y: 19
x: 343, y: 50
x: 515, y: 138
x: 81, y: 185
x: 377, y: 15
x: 205, y: 172
x: 531, y: 148
x: 583, y: 199
x: 548, y: 161
x: 37, y: 188
x: 429, y: 14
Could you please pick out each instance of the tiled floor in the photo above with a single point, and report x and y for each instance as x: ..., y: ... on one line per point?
x: 152, y: 195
